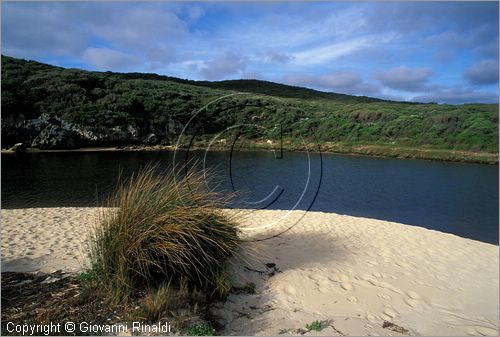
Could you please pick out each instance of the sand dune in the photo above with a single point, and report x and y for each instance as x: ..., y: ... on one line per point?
x: 352, y: 274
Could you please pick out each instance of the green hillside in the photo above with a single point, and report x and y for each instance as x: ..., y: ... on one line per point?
x: 282, y: 90
x: 256, y: 87
x: 103, y: 102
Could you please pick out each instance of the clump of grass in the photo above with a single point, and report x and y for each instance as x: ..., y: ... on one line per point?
x: 316, y: 325
x: 156, y: 302
x: 200, y: 330
x: 157, y: 229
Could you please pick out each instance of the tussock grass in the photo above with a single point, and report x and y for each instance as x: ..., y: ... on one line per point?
x: 159, y: 230
x: 156, y: 302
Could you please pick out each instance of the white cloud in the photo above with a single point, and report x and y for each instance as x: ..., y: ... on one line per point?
x: 47, y: 30
x: 229, y: 63
x: 484, y: 72
x: 158, y: 58
x: 448, y: 39
x: 41, y: 29
x: 482, y: 40
x: 404, y: 78
x: 108, y: 59
x: 195, y: 12
x: 345, y: 82
x: 277, y: 57
x: 287, y: 42
x: 328, y: 53
x: 457, y: 96
x: 140, y: 27
x: 339, y: 79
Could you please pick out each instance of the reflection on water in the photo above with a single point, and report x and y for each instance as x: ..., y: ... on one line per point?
x: 450, y: 197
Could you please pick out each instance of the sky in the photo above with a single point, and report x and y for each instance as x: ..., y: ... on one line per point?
x: 443, y: 52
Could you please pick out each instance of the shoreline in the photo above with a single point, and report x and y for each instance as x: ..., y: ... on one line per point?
x: 355, y: 273
x: 374, y: 151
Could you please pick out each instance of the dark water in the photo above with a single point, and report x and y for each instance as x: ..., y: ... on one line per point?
x: 450, y: 197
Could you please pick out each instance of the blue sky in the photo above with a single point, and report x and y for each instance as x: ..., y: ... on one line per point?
x: 444, y: 52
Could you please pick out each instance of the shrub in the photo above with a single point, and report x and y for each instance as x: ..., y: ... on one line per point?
x: 158, y: 229
x: 200, y: 330
x: 316, y: 325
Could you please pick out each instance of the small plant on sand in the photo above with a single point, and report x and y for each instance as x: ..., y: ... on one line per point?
x: 157, y: 228
x: 200, y: 330
x: 316, y: 325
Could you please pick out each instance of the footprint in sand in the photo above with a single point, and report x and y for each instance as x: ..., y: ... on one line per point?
x: 413, y: 298
x: 289, y: 290
x: 371, y: 317
x: 402, y: 264
x: 384, y: 296
x: 343, y: 278
x: 346, y: 286
x: 344, y: 281
x: 323, y: 285
x: 413, y: 295
x: 352, y: 299
x: 390, y: 313
x: 439, y: 277
x: 314, y: 277
x: 411, y: 302
x: 482, y: 331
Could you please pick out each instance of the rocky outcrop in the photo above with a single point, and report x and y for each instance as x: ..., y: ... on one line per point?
x: 19, y: 148
x: 28, y: 130
x: 150, y: 139
x: 113, y: 136
x: 56, y: 137
x: 47, y: 132
x: 52, y: 132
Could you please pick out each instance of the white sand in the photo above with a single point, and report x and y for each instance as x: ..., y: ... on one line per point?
x: 353, y: 273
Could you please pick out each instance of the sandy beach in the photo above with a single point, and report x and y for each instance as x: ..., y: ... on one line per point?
x: 351, y: 273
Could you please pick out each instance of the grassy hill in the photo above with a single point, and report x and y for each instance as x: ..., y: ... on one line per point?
x: 104, y: 101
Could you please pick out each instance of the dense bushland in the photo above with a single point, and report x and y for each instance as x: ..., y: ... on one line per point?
x: 101, y: 101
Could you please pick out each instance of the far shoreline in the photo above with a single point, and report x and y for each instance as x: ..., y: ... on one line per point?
x: 375, y: 151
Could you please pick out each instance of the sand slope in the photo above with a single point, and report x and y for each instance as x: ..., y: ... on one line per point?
x: 350, y: 273
x: 45, y: 239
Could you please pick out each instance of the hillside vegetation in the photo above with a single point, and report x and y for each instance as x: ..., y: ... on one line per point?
x: 104, y: 102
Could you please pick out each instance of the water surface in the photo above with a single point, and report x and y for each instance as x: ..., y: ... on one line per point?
x: 456, y: 198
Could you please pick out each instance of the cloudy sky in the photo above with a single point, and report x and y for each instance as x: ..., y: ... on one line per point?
x: 416, y: 51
